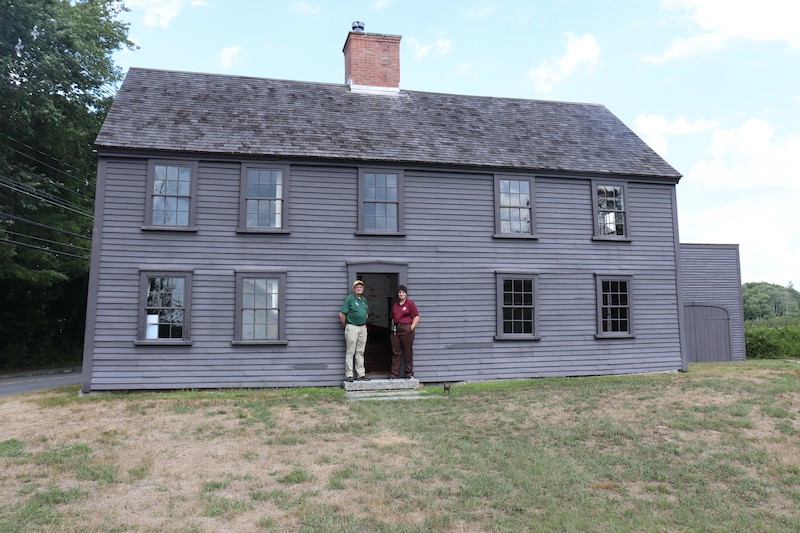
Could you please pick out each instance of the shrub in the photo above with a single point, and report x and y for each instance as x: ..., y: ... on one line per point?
x: 765, y: 342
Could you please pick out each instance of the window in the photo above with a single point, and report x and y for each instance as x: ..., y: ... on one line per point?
x: 172, y: 189
x: 514, y: 201
x: 381, y: 201
x: 517, y: 311
x: 264, y: 197
x: 260, y: 307
x: 165, y: 309
x: 614, y: 318
x: 609, y: 210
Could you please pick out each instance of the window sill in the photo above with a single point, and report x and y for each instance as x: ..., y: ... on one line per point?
x: 529, y: 237
x: 381, y: 233
x: 610, y: 238
x: 260, y: 343
x: 517, y: 338
x: 606, y: 336
x: 183, y: 229
x: 162, y: 342
x: 280, y: 231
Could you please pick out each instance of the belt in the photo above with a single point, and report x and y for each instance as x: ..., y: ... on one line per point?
x: 356, y: 325
x: 404, y: 323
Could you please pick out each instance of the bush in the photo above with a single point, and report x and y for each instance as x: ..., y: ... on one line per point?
x: 769, y: 342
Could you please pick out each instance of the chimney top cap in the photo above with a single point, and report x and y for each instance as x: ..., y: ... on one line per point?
x: 358, y: 26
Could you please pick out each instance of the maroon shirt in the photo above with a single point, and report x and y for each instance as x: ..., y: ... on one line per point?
x: 404, y: 314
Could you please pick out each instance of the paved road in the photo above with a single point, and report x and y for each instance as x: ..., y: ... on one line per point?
x: 17, y: 383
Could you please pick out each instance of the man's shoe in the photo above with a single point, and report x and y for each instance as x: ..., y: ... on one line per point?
x: 349, y: 378
x: 363, y: 378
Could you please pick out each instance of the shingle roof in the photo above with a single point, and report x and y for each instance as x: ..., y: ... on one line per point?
x: 217, y: 114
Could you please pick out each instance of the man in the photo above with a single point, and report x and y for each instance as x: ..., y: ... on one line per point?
x: 353, y: 316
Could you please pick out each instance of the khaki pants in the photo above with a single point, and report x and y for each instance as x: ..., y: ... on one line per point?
x: 355, y: 338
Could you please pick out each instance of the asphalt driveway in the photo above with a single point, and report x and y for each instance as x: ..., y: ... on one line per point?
x: 44, y: 379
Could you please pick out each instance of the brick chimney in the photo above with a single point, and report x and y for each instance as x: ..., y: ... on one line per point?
x: 372, y: 61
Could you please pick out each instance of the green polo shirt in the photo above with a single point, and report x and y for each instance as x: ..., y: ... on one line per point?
x: 355, y: 309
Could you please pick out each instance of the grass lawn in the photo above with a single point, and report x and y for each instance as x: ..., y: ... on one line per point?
x: 714, y: 449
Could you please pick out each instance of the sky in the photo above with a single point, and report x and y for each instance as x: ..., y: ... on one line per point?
x: 713, y: 86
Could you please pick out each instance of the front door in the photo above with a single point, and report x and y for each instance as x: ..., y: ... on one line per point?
x: 379, y: 289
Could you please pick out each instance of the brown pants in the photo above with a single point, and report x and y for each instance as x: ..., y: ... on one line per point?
x: 403, y: 345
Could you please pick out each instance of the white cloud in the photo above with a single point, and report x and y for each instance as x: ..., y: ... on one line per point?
x: 654, y: 130
x: 479, y: 13
x: 420, y: 50
x: 381, y: 4
x: 715, y: 22
x: 229, y: 55
x: 306, y: 9
x: 748, y: 157
x: 161, y: 12
x: 467, y: 70
x: 581, y: 52
x: 747, y: 190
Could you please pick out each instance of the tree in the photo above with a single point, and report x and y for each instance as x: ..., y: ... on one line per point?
x: 766, y: 300
x: 57, y: 80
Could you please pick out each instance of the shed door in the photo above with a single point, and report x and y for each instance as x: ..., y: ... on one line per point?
x: 708, y: 333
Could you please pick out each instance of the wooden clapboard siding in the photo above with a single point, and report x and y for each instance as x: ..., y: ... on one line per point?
x: 451, y: 255
x: 711, y: 277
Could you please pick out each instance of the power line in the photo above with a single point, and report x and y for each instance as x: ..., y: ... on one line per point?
x: 83, y: 181
x: 68, y: 245
x: 50, y: 181
x: 44, y: 249
x: 52, y: 228
x: 14, y: 186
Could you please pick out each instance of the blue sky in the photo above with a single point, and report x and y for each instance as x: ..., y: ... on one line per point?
x: 712, y: 85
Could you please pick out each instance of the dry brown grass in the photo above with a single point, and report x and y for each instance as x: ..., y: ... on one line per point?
x: 207, y: 462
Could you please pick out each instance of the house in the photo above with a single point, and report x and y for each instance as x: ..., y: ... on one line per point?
x: 537, y: 238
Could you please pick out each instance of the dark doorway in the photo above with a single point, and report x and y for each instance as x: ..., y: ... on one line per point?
x: 379, y: 289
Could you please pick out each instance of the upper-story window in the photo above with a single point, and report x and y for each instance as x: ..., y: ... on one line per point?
x: 264, y: 197
x: 609, y: 210
x: 514, y: 207
x: 381, y: 201
x: 172, y: 189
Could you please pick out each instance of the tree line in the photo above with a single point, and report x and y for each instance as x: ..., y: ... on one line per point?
x: 57, y: 80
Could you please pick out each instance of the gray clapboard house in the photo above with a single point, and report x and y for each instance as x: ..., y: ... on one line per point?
x: 537, y: 238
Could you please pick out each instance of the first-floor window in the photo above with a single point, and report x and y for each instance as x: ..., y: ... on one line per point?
x: 517, y: 311
x: 614, y: 318
x: 166, y: 306
x: 260, y: 307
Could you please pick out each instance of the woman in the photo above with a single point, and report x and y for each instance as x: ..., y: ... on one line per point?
x: 405, y: 318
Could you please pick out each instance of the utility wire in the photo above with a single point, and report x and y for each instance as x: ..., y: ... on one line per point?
x: 49, y: 180
x: 83, y: 181
x: 44, y: 249
x: 52, y: 228
x: 10, y: 184
x: 68, y: 245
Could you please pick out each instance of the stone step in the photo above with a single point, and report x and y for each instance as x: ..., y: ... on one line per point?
x: 381, y: 384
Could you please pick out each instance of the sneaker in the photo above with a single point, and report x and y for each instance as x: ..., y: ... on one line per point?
x: 409, y: 376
